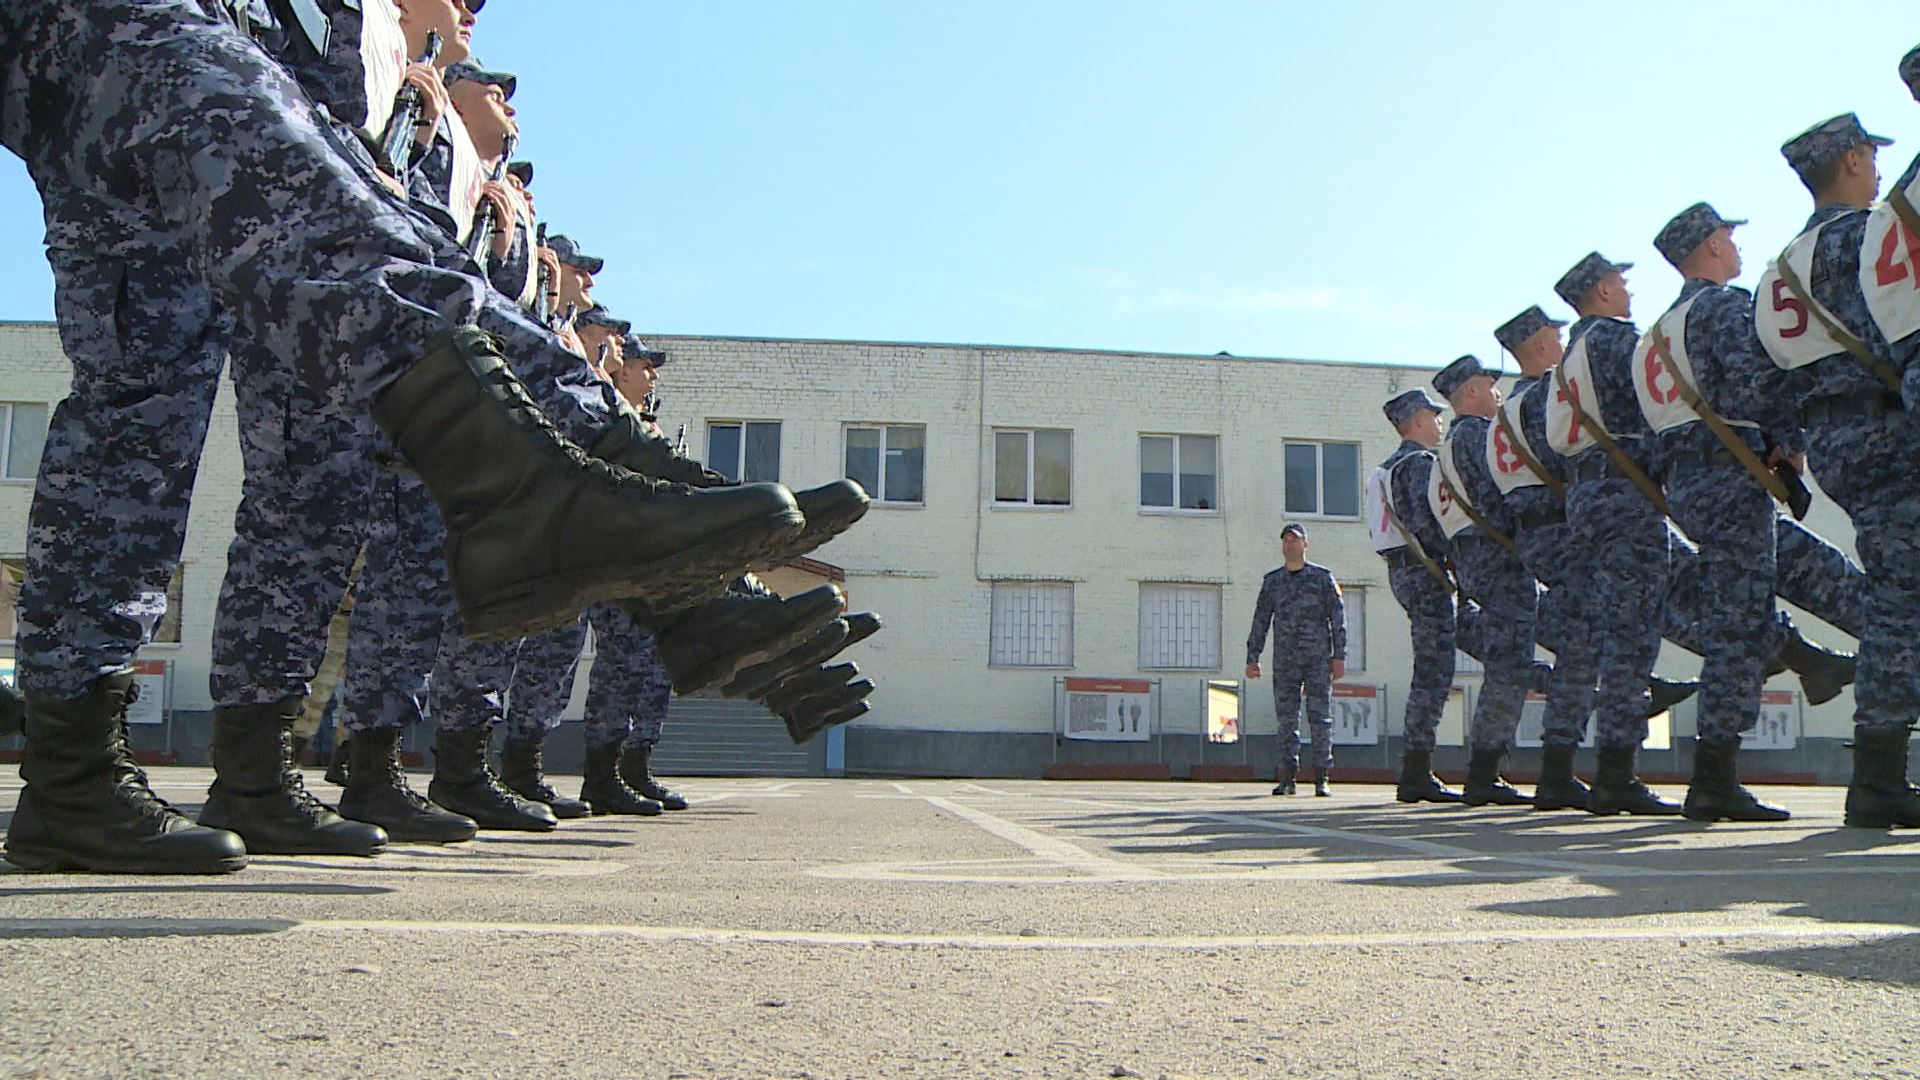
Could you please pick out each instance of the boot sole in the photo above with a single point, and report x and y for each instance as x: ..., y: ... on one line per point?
x: 813, y: 536
x: 676, y: 582
x: 38, y: 859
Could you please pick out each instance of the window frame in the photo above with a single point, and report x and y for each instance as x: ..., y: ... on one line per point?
x: 740, y: 465
x: 1349, y: 590
x: 993, y: 497
x: 1176, y: 510
x: 877, y: 497
x: 993, y: 600
x: 1219, y: 627
x: 1320, y: 481
x: 8, y: 413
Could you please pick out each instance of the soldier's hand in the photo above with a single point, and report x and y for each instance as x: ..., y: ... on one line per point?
x: 573, y: 343
x: 393, y: 185
x: 1797, y: 461
x: 434, y: 101
x: 1339, y: 669
x: 1253, y: 670
x: 503, y: 215
x: 552, y: 262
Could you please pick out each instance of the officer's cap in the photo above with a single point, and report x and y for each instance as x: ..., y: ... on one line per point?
x: 1295, y: 528
x: 1910, y: 71
x: 1402, y: 407
x: 1585, y: 274
x: 636, y: 350
x: 598, y: 315
x: 1826, y: 141
x: 570, y: 254
x: 1689, y: 229
x: 1455, y: 375
x: 522, y: 171
x: 471, y: 71
x: 1515, y: 331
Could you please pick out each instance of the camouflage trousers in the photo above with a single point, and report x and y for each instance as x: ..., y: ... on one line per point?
x: 1565, y: 630
x: 628, y: 689
x: 543, y: 677
x: 1817, y: 577
x: 1731, y: 519
x: 1867, y: 465
x: 1439, y: 628
x: 402, y: 609
x: 1310, y: 677
x: 1623, y: 548
x: 109, y: 513
x: 1508, y: 598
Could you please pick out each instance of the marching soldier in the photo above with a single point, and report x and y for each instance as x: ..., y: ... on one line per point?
x: 1301, y: 604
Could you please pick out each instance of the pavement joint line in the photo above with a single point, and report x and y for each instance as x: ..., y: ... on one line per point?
x: 107, y: 927
x: 1052, y: 849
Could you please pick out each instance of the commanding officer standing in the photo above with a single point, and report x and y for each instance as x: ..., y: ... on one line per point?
x: 1621, y: 542
x: 1301, y: 603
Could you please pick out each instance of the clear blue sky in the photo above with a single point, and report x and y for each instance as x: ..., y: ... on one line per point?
x: 1380, y: 182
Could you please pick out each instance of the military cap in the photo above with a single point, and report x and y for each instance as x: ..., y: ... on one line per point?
x: 1689, y: 229
x: 1515, y: 331
x: 472, y: 71
x: 635, y: 349
x: 521, y: 171
x: 598, y: 315
x: 1910, y: 71
x: 1295, y: 528
x: 1826, y: 141
x: 570, y: 254
x: 1456, y: 375
x: 1402, y: 407
x: 1585, y: 275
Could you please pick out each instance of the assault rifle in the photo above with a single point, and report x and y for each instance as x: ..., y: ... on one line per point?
x: 397, y: 147
x: 480, y: 243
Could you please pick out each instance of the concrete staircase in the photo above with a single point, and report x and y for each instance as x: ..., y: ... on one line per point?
x: 710, y: 737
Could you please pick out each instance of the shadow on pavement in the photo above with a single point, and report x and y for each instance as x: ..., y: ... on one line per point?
x: 140, y: 928
x: 1895, y: 961
x: 315, y: 888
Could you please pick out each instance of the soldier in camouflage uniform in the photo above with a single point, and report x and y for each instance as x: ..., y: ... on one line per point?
x: 1490, y: 570
x: 1861, y: 441
x: 1440, y: 623
x: 268, y: 197
x: 1623, y: 544
x: 1301, y: 604
x: 1721, y: 506
x: 628, y: 683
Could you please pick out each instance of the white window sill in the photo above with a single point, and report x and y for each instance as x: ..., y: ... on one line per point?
x: 16, y: 481
x: 1291, y: 516
x: 1030, y: 508
x: 1176, y: 511
x: 1029, y: 667
x: 877, y: 504
x: 1215, y: 670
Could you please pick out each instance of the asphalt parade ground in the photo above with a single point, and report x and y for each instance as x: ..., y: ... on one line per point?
x: 868, y: 928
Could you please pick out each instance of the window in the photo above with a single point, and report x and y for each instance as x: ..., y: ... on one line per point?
x: 23, y: 433
x: 746, y: 450
x: 1180, y: 627
x: 890, y: 462
x: 1356, y: 599
x: 1032, y: 625
x: 168, y: 632
x: 1179, y: 471
x: 1033, y: 468
x: 1323, y: 479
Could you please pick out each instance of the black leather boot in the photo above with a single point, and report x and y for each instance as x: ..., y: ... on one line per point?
x: 13, y: 710
x: 297, y: 751
x: 1286, y: 785
x: 258, y: 793
x: 377, y: 792
x: 814, y: 701
x: 757, y: 681
x: 523, y: 770
x: 340, y: 762
x: 1823, y: 672
x: 631, y: 443
x: 1880, y: 796
x: 537, y: 529
x: 86, y: 805
x: 1320, y: 786
x: 1417, y: 782
x: 463, y: 782
x: 603, y: 789
x: 1559, y: 788
x: 1486, y: 787
x: 1664, y: 694
x: 1616, y: 790
x: 1716, y: 793
x: 636, y: 771
x: 710, y: 644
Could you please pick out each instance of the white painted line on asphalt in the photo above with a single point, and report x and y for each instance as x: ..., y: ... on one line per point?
x: 1764, y: 931
x: 1058, y: 852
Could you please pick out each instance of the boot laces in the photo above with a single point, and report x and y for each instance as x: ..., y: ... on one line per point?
x: 515, y: 393
x: 130, y: 780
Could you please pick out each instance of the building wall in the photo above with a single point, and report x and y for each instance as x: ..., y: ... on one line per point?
x: 930, y: 569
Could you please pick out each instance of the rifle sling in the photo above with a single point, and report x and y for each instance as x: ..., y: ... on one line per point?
x: 1600, y: 435
x: 1728, y: 437
x: 1413, y: 545
x: 1526, y: 456
x: 1479, y: 522
x: 1839, y: 333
